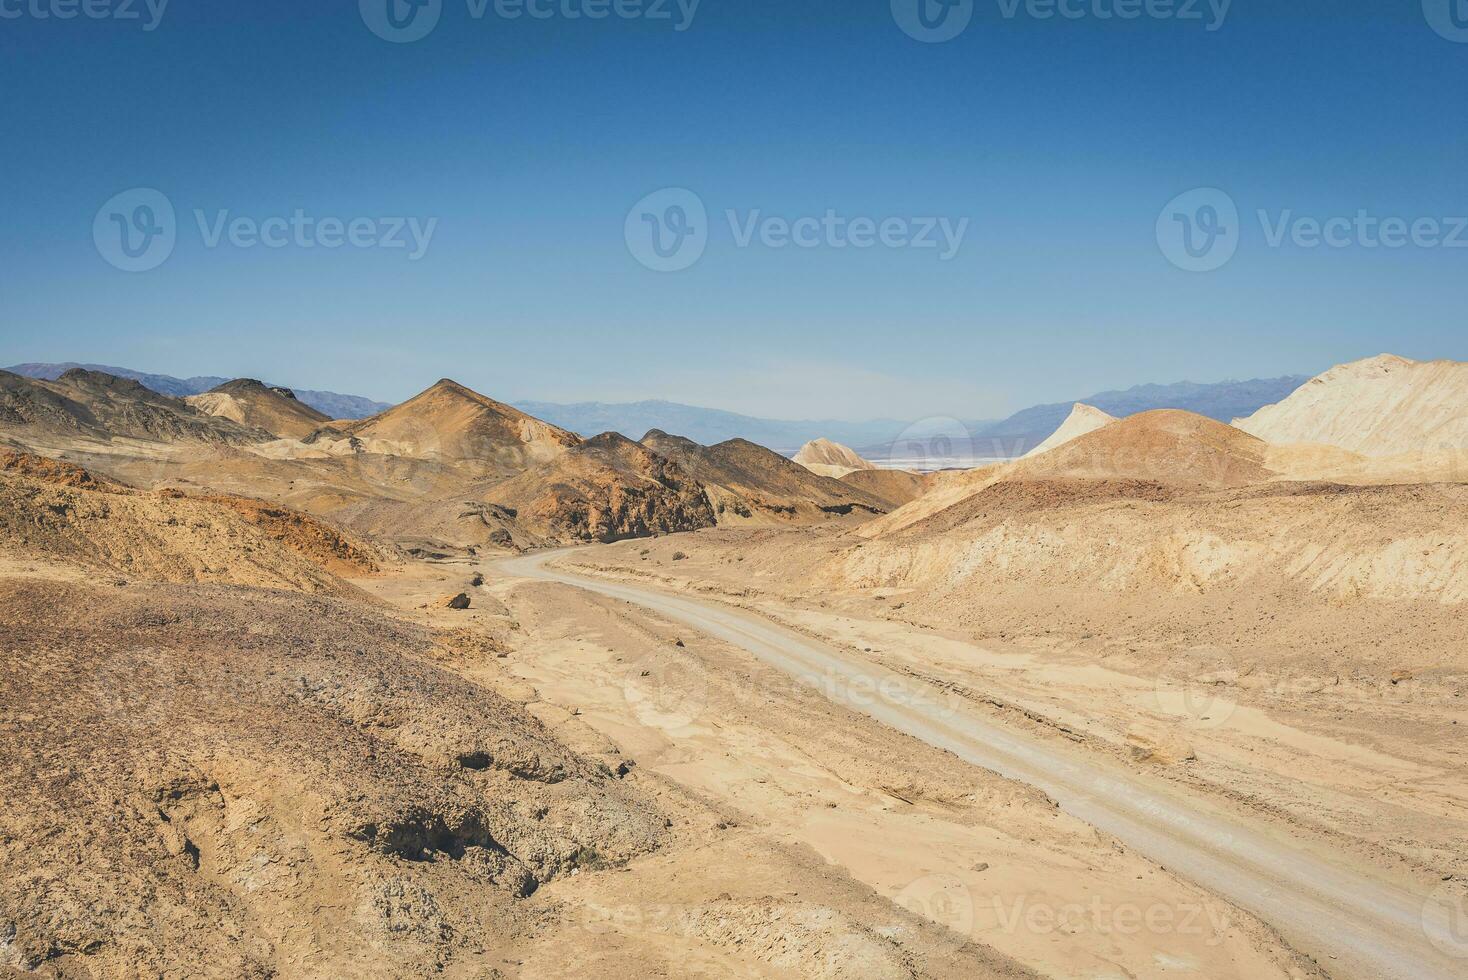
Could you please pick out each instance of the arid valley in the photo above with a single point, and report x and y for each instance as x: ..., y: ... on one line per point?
x: 449, y: 690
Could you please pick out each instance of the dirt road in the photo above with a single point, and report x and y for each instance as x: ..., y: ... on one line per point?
x: 1354, y: 924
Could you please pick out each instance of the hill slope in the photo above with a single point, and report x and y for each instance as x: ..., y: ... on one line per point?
x: 604, y: 489
x: 751, y: 484
x: 827, y: 458
x: 252, y: 403
x: 1223, y: 401
x: 452, y: 422
x: 329, y: 403
x: 1382, y: 406
x: 93, y: 405
x: 1083, y: 419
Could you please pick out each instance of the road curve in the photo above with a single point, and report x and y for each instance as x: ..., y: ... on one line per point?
x: 1353, y: 924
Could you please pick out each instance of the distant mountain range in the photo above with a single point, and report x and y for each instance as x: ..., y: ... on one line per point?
x: 1223, y: 401
x: 1014, y: 436
x: 327, y: 402
x: 708, y: 426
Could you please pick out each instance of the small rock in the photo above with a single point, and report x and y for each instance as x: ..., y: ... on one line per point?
x: 677, y: 643
x: 982, y: 866
x: 460, y: 601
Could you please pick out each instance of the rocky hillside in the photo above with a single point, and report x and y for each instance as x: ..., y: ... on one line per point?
x: 451, y: 422
x: 258, y: 406
x: 329, y: 403
x: 204, y: 780
x: 750, y: 484
x: 605, y: 489
x: 59, y: 512
x: 87, y: 404
x: 1380, y: 407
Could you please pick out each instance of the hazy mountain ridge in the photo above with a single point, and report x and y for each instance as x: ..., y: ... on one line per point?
x: 1221, y: 401
x: 330, y: 403
x: 1014, y: 436
x: 708, y: 426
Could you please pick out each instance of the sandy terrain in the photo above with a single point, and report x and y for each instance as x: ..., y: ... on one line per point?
x: 993, y: 861
x: 287, y: 696
x: 1353, y: 748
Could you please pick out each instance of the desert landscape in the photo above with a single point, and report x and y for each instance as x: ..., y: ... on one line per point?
x: 449, y: 690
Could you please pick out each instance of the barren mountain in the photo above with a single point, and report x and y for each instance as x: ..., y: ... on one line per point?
x: 451, y: 422
x: 251, y: 403
x: 1220, y: 401
x: 90, y: 405
x: 329, y: 403
x: 1382, y: 406
x: 751, y: 484
x: 1082, y: 419
x: 604, y: 489
x: 827, y: 458
x: 1166, y: 447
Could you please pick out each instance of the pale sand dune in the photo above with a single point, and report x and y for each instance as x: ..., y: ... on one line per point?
x: 1383, y: 406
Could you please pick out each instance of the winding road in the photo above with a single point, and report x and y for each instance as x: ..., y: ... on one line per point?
x: 1353, y: 924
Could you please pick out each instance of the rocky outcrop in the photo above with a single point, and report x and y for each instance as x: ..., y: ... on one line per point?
x: 605, y: 489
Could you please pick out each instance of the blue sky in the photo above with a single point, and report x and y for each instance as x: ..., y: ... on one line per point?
x: 529, y: 141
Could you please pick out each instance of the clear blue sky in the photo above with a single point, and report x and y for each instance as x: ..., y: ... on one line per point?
x: 530, y: 140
